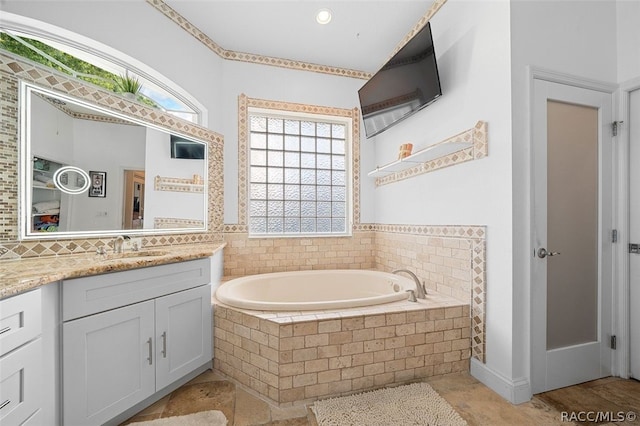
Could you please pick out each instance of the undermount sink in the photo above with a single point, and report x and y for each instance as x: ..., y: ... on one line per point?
x: 134, y: 254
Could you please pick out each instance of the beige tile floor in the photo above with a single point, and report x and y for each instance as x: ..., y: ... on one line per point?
x: 476, y: 403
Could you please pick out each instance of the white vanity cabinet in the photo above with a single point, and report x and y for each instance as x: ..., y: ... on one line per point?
x: 20, y: 357
x: 129, y: 335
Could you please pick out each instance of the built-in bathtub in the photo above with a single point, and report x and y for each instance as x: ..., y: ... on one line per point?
x: 314, y: 290
x: 301, y: 352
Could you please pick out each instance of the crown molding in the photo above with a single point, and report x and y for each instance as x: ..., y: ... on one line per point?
x: 231, y: 55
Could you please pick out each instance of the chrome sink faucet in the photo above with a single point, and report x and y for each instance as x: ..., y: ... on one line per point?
x: 119, y: 242
x: 421, y: 293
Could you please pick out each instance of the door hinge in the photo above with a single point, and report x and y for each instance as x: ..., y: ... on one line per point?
x: 613, y: 342
x: 614, y: 236
x: 614, y: 127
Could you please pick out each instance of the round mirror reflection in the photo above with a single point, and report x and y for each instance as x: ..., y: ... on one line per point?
x: 71, y: 180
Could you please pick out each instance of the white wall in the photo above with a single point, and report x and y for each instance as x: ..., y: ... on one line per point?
x: 110, y: 148
x: 628, y: 37
x: 159, y: 163
x: 472, y: 46
x: 51, y: 132
x: 572, y: 37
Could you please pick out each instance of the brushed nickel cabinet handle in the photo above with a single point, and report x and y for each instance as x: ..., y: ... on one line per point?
x: 150, y: 358
x: 164, y: 344
x: 4, y: 330
x: 4, y: 404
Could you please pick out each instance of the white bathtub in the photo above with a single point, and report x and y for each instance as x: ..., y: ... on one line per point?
x: 313, y: 290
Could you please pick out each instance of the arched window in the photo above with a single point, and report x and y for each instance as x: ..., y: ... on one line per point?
x: 96, y: 63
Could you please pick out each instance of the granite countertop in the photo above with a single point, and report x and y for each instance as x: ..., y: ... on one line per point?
x: 17, y: 276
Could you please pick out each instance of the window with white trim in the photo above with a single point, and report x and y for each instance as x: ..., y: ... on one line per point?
x: 299, y: 174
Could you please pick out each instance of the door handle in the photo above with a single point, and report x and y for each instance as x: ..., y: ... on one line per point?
x: 542, y: 253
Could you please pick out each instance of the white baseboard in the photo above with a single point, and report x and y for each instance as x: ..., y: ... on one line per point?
x: 515, y: 391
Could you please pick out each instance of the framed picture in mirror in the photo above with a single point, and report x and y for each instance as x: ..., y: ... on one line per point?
x: 98, y: 186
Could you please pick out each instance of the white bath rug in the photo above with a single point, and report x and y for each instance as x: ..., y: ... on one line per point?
x: 201, y: 418
x: 415, y: 404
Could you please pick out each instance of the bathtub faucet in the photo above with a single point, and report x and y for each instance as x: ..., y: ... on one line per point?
x: 421, y: 293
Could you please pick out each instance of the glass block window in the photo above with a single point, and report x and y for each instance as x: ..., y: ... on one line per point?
x: 298, y: 176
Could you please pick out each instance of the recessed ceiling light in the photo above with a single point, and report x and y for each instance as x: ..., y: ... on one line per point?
x: 323, y: 16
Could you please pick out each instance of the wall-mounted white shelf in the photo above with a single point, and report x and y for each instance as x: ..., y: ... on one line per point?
x: 429, y: 153
x: 162, y: 183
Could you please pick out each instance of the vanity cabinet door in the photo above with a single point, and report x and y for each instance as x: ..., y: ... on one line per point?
x: 21, y: 383
x: 108, y: 363
x: 183, y: 333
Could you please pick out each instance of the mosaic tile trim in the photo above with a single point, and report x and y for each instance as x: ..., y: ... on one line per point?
x: 478, y: 300
x: 161, y: 183
x: 84, y: 116
x: 8, y: 158
x: 448, y: 231
x: 13, y: 69
x: 244, y: 103
x: 435, y: 6
x: 175, y: 222
x: 251, y: 57
x: 478, y: 136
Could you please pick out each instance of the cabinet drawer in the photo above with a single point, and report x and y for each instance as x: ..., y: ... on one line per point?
x: 20, y: 376
x: 20, y: 320
x: 99, y: 293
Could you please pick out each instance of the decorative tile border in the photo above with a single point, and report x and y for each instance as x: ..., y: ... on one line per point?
x: 437, y: 4
x: 175, y: 222
x: 161, y: 183
x: 244, y: 103
x: 8, y: 158
x: 478, y: 135
x: 448, y: 231
x: 13, y: 69
x: 84, y: 116
x: 181, y: 21
x: 478, y: 300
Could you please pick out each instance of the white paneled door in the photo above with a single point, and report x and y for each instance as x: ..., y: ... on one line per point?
x: 572, y: 225
x: 634, y: 230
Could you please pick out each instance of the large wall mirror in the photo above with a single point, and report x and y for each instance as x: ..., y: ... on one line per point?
x: 89, y: 171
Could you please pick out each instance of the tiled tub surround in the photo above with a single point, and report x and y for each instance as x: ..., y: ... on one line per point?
x: 451, y: 259
x: 297, y: 357
x: 249, y: 256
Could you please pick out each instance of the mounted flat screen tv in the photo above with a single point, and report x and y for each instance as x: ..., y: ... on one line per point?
x: 408, y: 82
x: 184, y: 148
